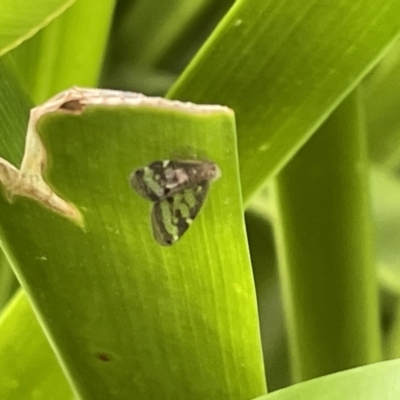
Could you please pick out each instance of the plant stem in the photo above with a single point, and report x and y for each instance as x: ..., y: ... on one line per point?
x: 325, y: 245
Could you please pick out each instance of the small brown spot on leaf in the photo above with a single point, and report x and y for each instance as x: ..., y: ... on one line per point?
x: 103, y: 356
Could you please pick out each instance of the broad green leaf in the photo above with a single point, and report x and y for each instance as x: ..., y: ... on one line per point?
x: 28, y: 366
x: 135, y: 312
x: 373, y: 382
x: 283, y: 66
x: 325, y: 245
x: 21, y: 19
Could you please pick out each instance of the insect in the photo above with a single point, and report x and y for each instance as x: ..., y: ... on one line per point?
x: 178, y: 190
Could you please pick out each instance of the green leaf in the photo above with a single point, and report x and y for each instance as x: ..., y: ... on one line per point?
x: 283, y: 66
x: 166, y: 23
x: 385, y: 193
x: 373, y: 382
x: 325, y: 245
x: 392, y: 348
x: 21, y: 19
x: 8, y: 282
x: 136, y: 311
x: 382, y: 101
x: 28, y: 366
x: 272, y: 324
x: 177, y: 27
x: 14, y: 114
x: 68, y: 52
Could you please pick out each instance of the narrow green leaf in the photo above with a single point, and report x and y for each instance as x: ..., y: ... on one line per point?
x: 8, y: 281
x: 184, y: 47
x: 382, y: 101
x: 14, y: 114
x: 385, y: 193
x: 325, y: 245
x: 373, y: 382
x: 165, y: 23
x: 21, y: 19
x: 283, y: 66
x: 68, y: 52
x: 21, y: 342
x: 392, y: 348
x: 272, y: 324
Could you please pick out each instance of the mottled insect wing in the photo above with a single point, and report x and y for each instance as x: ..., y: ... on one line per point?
x: 162, y: 179
x: 172, y: 216
x: 148, y: 181
x: 178, y: 190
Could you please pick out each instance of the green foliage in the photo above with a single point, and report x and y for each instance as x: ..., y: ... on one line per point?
x: 377, y: 381
x: 104, y: 311
x: 329, y: 261
x: 29, y: 368
x: 21, y: 19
